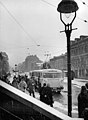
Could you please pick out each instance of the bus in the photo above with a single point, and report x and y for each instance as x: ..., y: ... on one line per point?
x: 52, y: 76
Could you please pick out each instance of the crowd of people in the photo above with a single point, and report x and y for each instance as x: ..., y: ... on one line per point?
x: 83, y: 102
x: 23, y: 83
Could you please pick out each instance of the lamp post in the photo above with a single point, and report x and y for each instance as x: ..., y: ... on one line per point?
x: 68, y: 7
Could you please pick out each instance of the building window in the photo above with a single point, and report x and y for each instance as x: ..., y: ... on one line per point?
x: 86, y: 48
x: 79, y: 50
x: 80, y: 73
x: 83, y: 72
x: 76, y: 73
x: 86, y: 72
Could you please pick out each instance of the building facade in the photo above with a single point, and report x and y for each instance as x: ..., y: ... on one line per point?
x: 79, y: 58
x: 59, y: 62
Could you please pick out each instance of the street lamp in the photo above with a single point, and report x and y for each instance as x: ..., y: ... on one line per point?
x: 68, y: 7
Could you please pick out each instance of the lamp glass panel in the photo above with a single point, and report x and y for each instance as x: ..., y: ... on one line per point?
x: 67, y: 17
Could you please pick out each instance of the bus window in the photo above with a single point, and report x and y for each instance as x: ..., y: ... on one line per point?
x: 48, y: 75
x: 52, y: 75
x: 57, y: 75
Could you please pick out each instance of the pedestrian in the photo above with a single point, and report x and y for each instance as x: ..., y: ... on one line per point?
x: 82, y: 101
x: 30, y: 87
x: 22, y: 85
x: 86, y: 85
x: 38, y: 84
x: 47, y: 95
x: 15, y: 82
x: 41, y: 92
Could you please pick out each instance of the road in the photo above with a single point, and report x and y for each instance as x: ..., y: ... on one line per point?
x: 62, y: 98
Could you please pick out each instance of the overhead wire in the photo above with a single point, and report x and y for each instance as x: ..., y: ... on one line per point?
x: 28, y: 47
x: 21, y: 26
x: 48, y: 3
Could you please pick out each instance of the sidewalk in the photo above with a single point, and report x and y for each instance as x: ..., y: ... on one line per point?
x: 77, y: 82
x: 81, y: 80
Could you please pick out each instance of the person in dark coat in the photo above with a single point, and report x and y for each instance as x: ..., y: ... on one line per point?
x: 82, y: 101
x: 41, y: 92
x: 47, y: 95
x: 86, y: 85
x: 38, y: 84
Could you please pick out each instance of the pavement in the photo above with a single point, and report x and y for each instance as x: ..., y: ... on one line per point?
x: 78, y: 82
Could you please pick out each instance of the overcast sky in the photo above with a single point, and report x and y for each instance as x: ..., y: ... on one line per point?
x: 26, y: 24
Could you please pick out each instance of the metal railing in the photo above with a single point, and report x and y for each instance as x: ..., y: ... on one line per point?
x: 6, y: 115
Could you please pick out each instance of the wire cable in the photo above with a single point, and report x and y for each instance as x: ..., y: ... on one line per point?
x: 48, y: 3
x: 21, y: 26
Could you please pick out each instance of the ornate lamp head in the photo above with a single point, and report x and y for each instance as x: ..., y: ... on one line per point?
x: 67, y: 6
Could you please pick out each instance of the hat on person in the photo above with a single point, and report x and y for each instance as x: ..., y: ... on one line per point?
x: 44, y: 84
